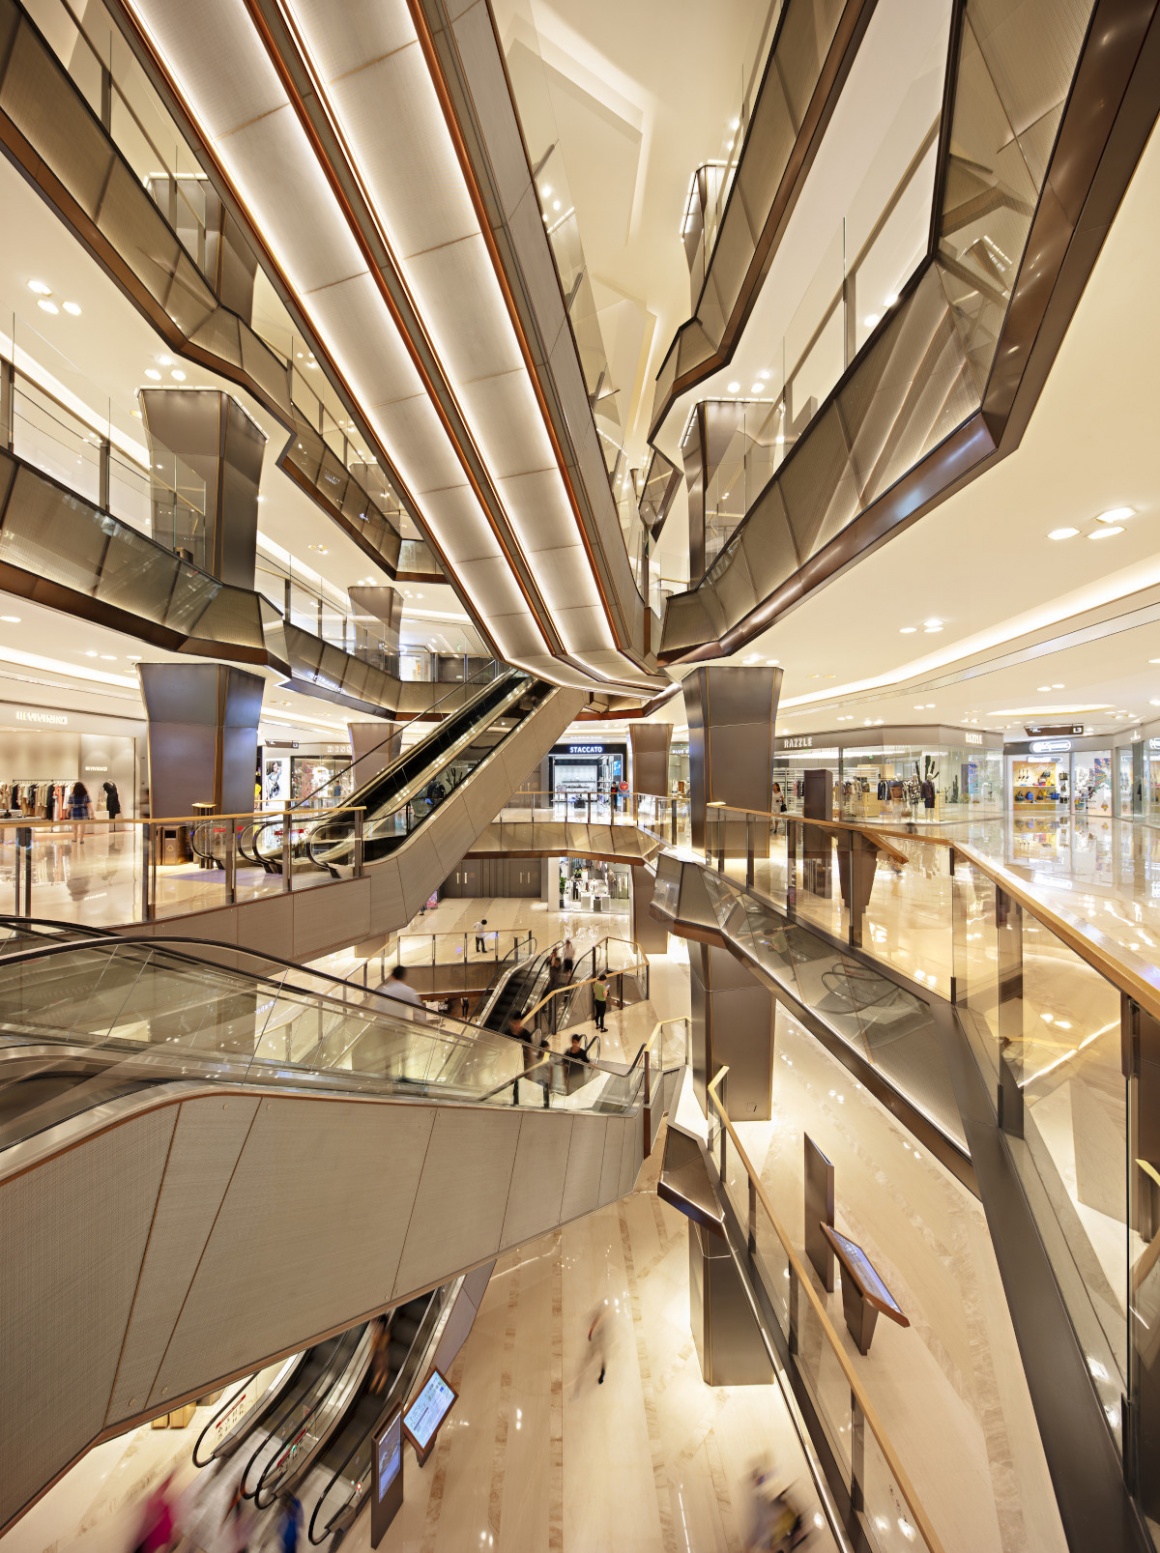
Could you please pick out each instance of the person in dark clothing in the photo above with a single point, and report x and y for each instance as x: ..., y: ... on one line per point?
x: 520, y: 1032
x: 575, y: 1061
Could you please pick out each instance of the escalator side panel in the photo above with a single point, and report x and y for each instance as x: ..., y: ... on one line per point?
x: 233, y: 1267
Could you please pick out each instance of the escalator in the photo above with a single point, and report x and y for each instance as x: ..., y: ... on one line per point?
x: 395, y: 801
x: 520, y: 990
x: 239, y: 1158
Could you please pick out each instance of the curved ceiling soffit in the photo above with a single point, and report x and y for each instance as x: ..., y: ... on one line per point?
x: 980, y: 367
x: 253, y: 366
x: 545, y: 665
x: 490, y: 212
x: 285, y: 37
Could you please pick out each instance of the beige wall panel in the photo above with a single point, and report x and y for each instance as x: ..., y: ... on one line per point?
x: 266, y: 926
x: 610, y: 1161
x: 308, y: 1236
x: 419, y: 872
x: 330, y: 914
x: 74, y: 1233
x: 387, y: 909
x: 462, y: 1195
x: 632, y: 1153
x: 205, y: 1148
x: 538, y: 1185
x: 221, y: 926
x: 453, y: 833
x: 585, y: 1155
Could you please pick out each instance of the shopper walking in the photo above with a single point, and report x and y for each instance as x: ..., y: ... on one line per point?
x: 597, y: 1343
x: 291, y: 1527
x: 80, y: 808
x: 397, y: 989
x: 569, y: 958
x: 600, y: 1000
x: 157, y: 1528
x: 480, y: 930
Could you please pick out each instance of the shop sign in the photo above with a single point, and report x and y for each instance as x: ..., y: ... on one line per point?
x: 800, y: 741
x: 281, y: 744
x: 973, y: 738
x: 1154, y: 744
x: 586, y: 749
x: 1050, y: 746
x: 1065, y: 730
x: 47, y: 719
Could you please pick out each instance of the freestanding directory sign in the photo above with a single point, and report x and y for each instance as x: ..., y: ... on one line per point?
x: 387, y: 1466
x: 428, y: 1410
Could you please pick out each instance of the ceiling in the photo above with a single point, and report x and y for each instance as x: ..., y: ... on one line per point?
x: 636, y: 101
x: 981, y: 564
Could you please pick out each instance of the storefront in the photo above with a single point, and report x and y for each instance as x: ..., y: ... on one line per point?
x: 316, y: 776
x: 585, y: 884
x: 586, y: 766
x: 45, y: 750
x: 1060, y: 774
x: 931, y: 774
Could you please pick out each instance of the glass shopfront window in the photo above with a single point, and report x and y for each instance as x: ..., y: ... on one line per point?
x: 892, y: 782
x: 1091, y: 783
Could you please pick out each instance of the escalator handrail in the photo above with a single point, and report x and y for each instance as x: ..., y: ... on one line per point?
x: 517, y: 685
x: 389, y: 770
x: 434, y: 707
x: 400, y: 1383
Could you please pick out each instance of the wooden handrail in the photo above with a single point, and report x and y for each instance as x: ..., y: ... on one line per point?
x: 872, y: 833
x: 869, y: 1413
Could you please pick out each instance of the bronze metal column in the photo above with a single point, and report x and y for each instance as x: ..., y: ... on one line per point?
x: 733, y: 1027
x: 203, y: 736
x: 731, y: 713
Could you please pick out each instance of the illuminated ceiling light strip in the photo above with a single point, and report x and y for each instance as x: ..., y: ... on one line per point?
x: 279, y: 263
x: 522, y: 534
x: 435, y: 71
x: 34, y: 660
x: 338, y: 129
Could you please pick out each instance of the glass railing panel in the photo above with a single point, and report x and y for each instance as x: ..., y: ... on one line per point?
x: 890, y: 1527
x: 1060, y: 1043
x: 907, y: 921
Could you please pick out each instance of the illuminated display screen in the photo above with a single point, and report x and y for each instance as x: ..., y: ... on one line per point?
x: 428, y: 1410
x: 389, y: 1455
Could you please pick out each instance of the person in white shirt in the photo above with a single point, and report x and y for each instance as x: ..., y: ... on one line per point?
x: 399, y: 992
x: 480, y: 930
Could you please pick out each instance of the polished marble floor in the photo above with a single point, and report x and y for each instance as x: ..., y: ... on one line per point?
x: 950, y: 1387
x: 536, y: 1454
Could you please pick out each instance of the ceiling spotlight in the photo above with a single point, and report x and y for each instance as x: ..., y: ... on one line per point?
x: 907, y: 630
x: 11, y: 620
x: 322, y: 550
x: 773, y: 660
x: 47, y: 306
x: 167, y: 361
x: 73, y: 309
x: 40, y: 288
x: 1115, y: 515
x: 870, y: 320
x: 933, y: 624
x: 177, y: 375
x: 152, y: 374
x: 734, y: 388
x: 1063, y: 533
x: 757, y: 388
x: 109, y: 657
x: 1150, y: 703
x: 1059, y: 687
x: 764, y: 374
x: 1103, y: 533
x: 1041, y: 688
x: 931, y: 630
x: 890, y: 300
x: 92, y: 652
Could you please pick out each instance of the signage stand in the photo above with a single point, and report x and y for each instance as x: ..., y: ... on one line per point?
x: 387, y: 1468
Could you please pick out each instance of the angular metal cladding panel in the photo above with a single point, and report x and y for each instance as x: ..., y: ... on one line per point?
x: 537, y: 1188
x: 767, y: 543
x: 585, y: 1157
x: 812, y: 478
x: 80, y: 1223
x: 191, y: 304
x: 254, y: 1292
x: 52, y: 533
x: 136, y: 575
x: 206, y: 1143
x: 769, y: 141
x: 462, y: 1194
x: 614, y: 1129
x: 136, y: 229
x: 41, y: 102
x: 732, y: 584
x: 686, y: 622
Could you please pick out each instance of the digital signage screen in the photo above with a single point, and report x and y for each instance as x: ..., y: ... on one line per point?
x: 422, y: 1419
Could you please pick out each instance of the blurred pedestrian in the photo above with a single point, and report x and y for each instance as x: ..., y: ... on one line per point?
x: 568, y: 958
x: 157, y: 1528
x: 291, y: 1527
x: 480, y: 930
x: 597, y: 1342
